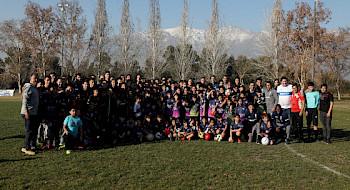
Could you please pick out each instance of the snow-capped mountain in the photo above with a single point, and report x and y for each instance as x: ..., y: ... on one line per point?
x: 239, y: 41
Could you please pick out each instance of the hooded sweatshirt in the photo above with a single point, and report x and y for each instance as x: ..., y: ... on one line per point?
x: 30, y: 99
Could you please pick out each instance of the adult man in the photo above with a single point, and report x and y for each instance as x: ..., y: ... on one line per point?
x: 312, y: 98
x: 29, y: 112
x: 271, y: 97
x: 285, y: 95
x: 326, y: 107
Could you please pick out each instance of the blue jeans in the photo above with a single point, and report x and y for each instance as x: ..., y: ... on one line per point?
x: 287, y: 110
x: 31, y: 125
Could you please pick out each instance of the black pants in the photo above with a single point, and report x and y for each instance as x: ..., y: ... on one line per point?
x: 70, y: 141
x: 326, y: 122
x: 297, y: 124
x: 31, y: 125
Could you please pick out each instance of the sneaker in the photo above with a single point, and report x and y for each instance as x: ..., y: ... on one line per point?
x: 278, y: 141
x: 239, y: 140
x: 68, y: 151
x: 62, y: 147
x: 29, y: 152
x: 23, y: 150
x: 257, y: 142
x: 287, y: 141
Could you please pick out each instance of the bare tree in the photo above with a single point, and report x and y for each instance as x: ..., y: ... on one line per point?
x: 296, y: 39
x: 100, y: 34
x: 184, y: 53
x: 213, y: 58
x: 72, y: 27
x: 336, y: 60
x: 155, y: 65
x: 39, y: 34
x: 269, y: 42
x: 244, y: 68
x: 128, y: 42
x: 16, y: 64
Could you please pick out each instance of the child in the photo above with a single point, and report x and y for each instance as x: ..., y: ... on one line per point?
x: 169, y: 130
x: 229, y: 111
x: 266, y: 129
x: 236, y: 129
x: 137, y: 108
x: 185, y: 131
x: 240, y: 109
x: 174, y: 128
x: 203, y: 104
x: 194, y: 113
x: 71, y: 126
x: 252, y: 117
x: 213, y: 103
x: 176, y: 108
x: 210, y: 128
x: 221, y: 126
x: 204, y: 124
x: 138, y: 132
x: 221, y: 106
x: 195, y: 129
x: 259, y: 101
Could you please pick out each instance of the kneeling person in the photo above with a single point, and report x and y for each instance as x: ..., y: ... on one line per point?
x: 236, y: 129
x: 185, y: 131
x: 221, y: 127
x: 282, y: 124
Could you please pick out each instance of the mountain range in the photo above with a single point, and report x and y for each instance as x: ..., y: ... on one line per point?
x: 239, y: 41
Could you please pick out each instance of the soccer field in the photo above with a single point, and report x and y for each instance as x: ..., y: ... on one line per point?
x: 177, y: 165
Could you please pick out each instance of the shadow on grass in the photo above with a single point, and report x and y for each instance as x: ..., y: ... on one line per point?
x: 16, y: 160
x: 13, y: 137
x: 339, y: 135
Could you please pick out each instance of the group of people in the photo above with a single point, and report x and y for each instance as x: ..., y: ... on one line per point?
x: 64, y: 113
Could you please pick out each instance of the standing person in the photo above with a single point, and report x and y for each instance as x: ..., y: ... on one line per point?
x: 326, y: 107
x: 258, y: 83
x: 284, y: 92
x: 252, y: 118
x: 271, y: 97
x: 29, y: 112
x: 71, y: 126
x: 312, y: 101
x: 251, y: 92
x: 276, y: 83
x: 298, y: 106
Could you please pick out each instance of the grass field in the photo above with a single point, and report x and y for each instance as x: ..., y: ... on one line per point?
x: 175, y: 165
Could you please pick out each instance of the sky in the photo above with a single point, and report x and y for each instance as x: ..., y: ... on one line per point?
x: 245, y: 14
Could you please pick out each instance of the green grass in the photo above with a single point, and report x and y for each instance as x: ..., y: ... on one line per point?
x: 174, y: 165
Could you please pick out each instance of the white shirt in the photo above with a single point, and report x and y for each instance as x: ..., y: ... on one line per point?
x: 285, y: 95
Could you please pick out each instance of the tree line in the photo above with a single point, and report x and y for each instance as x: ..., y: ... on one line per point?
x: 58, y: 39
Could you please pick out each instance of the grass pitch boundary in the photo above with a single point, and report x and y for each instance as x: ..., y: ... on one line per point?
x: 316, y: 163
